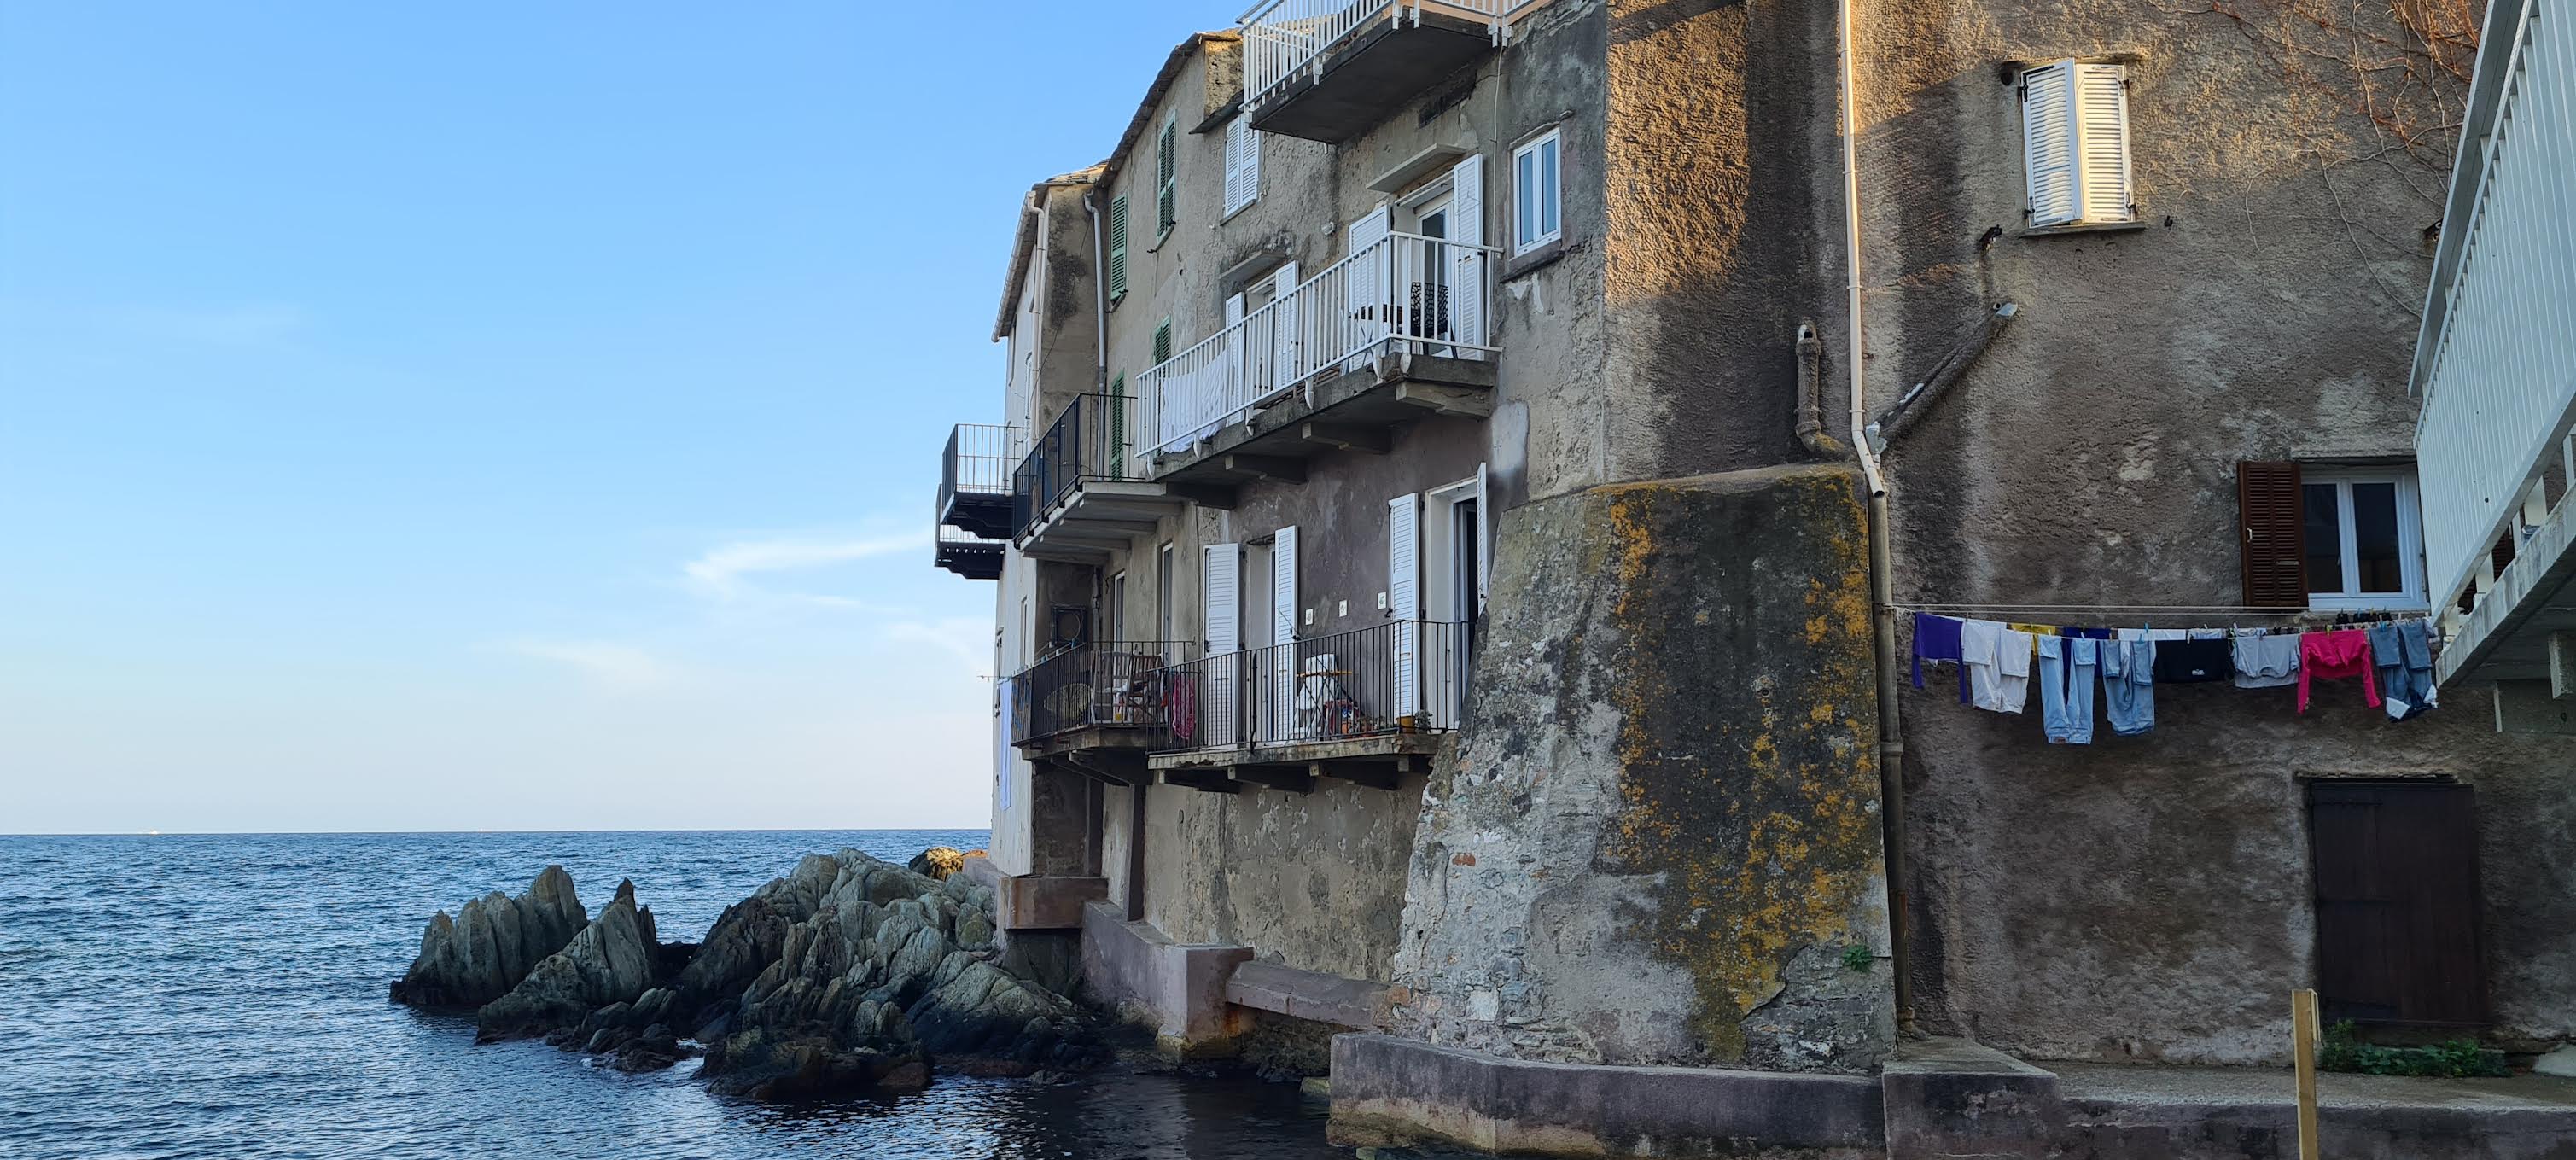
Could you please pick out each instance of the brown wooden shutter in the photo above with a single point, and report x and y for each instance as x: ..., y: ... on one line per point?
x: 2271, y: 534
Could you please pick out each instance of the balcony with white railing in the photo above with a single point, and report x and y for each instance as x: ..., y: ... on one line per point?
x: 1394, y: 332
x: 1367, y: 705
x: 2496, y: 370
x: 1327, y: 70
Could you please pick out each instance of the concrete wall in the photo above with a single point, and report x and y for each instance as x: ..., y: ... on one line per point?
x: 1659, y: 839
x: 2149, y: 898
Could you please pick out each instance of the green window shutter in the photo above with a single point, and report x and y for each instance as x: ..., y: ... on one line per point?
x: 1163, y: 343
x: 1115, y: 279
x: 1118, y: 427
x: 1166, y: 188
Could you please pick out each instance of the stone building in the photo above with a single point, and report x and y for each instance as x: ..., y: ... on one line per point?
x: 1455, y: 574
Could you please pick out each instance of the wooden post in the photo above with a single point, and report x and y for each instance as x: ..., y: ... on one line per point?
x: 2303, y: 1031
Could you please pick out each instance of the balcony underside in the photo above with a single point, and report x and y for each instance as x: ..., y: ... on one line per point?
x: 1115, y: 754
x: 1099, y: 516
x: 1355, y: 411
x: 987, y: 514
x: 2506, y: 637
x: 1297, y: 767
x: 973, y: 561
x: 1371, y: 74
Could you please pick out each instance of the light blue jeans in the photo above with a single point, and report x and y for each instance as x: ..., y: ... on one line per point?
x: 2128, y: 685
x: 2066, y: 676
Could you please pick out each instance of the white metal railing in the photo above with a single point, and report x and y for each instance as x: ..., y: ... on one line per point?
x: 2497, y: 360
x: 1429, y: 292
x: 1282, y: 38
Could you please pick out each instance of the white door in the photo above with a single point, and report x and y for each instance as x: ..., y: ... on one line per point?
x: 1404, y: 597
x: 1283, y: 636
x: 1223, y: 595
x: 1234, y: 390
x: 1466, y: 277
x: 1284, y: 337
x: 1369, y: 307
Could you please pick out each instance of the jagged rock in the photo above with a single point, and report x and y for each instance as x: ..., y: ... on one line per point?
x: 492, y: 944
x: 610, y: 961
x: 876, y: 981
x: 937, y: 862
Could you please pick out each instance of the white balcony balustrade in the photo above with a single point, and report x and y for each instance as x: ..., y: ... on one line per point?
x: 1422, y: 294
x: 1384, y: 51
x: 2496, y: 364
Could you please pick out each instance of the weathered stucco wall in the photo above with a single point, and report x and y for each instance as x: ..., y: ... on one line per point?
x: 1659, y: 838
x: 2149, y: 898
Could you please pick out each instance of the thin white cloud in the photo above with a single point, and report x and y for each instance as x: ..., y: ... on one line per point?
x: 970, y: 641
x: 724, y: 572
x: 617, y: 666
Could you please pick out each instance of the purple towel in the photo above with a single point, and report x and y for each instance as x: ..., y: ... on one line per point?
x: 1936, y: 638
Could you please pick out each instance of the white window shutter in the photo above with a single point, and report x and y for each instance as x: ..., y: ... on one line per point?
x: 1467, y: 263
x: 2048, y: 143
x: 1404, y: 597
x: 1283, y: 633
x: 1231, y: 341
x: 2102, y: 142
x: 1371, y: 293
x: 1484, y: 541
x: 1242, y: 164
x: 1285, y: 339
x: 1222, y: 590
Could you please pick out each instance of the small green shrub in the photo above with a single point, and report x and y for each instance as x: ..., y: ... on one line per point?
x: 2343, y: 1050
x: 1858, y: 958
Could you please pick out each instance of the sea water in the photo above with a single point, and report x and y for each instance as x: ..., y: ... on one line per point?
x: 224, y: 996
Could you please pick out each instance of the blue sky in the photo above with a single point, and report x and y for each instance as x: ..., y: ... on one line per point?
x: 509, y: 416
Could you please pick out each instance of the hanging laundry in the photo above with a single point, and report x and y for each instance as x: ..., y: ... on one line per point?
x: 2067, y: 672
x: 1997, y: 660
x: 2086, y: 633
x: 2128, y: 684
x: 1936, y: 639
x: 2036, y: 631
x: 2333, y: 655
x: 2185, y: 661
x: 2266, y: 660
x: 2404, y: 657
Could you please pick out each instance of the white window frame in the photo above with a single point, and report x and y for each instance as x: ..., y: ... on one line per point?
x: 2410, y: 539
x: 1116, y: 618
x: 2097, y: 143
x: 1165, y: 588
x: 1554, y: 192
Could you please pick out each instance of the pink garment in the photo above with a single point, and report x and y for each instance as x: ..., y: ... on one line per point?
x: 2344, y: 652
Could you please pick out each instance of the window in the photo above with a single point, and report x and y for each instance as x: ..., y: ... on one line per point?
x: 2075, y: 144
x: 2330, y: 537
x: 1535, y: 194
x: 1242, y: 164
x: 1116, y: 279
x: 1163, y: 594
x: 2361, y: 539
x: 1118, y: 428
x: 1167, y: 208
x: 1163, y: 343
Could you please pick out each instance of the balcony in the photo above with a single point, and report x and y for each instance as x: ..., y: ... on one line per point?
x: 1079, y: 493
x: 967, y: 554
x: 975, y: 478
x: 1367, y: 706
x: 1100, y: 708
x: 1394, y: 332
x: 2496, y: 367
x: 1327, y: 70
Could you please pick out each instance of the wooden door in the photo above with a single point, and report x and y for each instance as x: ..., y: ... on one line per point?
x: 2397, y: 902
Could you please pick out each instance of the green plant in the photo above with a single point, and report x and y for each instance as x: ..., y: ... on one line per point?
x: 2343, y: 1050
x: 1858, y: 958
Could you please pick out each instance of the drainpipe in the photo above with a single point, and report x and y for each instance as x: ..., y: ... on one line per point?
x: 1099, y: 301
x: 1882, y: 585
x: 1811, y: 394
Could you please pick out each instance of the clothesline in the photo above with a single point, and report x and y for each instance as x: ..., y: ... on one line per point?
x: 2239, y: 609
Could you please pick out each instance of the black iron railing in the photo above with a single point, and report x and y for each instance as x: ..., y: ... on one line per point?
x: 1405, y: 676
x: 1087, y: 443
x: 975, y: 477
x: 1120, y: 684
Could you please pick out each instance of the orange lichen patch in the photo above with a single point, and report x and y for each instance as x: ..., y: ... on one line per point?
x: 1463, y: 860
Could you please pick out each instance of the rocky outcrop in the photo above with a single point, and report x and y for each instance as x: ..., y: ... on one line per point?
x: 610, y: 961
x: 847, y: 974
x: 937, y: 862
x: 891, y: 969
x: 491, y: 944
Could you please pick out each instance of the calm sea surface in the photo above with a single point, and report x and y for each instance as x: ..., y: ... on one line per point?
x: 225, y: 997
